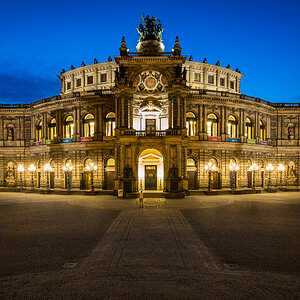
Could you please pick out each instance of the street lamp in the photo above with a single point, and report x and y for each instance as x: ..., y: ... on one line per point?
x: 91, y: 169
x: 280, y: 168
x: 32, y: 169
x: 21, y: 170
x: 68, y: 171
x: 233, y: 169
x: 48, y: 169
x: 253, y: 168
x: 210, y: 167
x: 269, y: 168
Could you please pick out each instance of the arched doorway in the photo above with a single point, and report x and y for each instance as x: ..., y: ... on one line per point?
x: 192, y: 173
x: 151, y: 170
x: 109, y: 175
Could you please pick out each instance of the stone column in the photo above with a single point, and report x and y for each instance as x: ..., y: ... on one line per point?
x: 131, y: 113
x: 184, y: 112
x: 268, y: 128
x: 178, y: 111
x: 170, y: 111
x: 123, y: 111
x: 44, y: 128
x: 116, y: 112
x: 32, y: 128
x: 179, y: 163
x: 199, y: 118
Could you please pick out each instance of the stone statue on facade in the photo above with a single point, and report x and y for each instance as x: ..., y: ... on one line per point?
x: 10, y: 176
x: 10, y: 133
x: 150, y: 35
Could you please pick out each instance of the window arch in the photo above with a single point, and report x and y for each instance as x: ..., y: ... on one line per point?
x: 110, y: 123
x: 262, y: 128
x: 249, y: 129
x: 68, y: 127
x: 212, y: 125
x: 232, y: 128
x: 52, y: 129
x: 190, y: 162
x: 88, y: 162
x: 111, y: 162
x: 38, y: 131
x: 191, y: 124
x: 214, y: 161
x: 88, y: 125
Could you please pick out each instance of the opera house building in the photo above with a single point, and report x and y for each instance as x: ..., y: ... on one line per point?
x: 150, y: 120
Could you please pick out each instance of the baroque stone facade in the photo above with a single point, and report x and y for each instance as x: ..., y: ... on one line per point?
x: 150, y: 121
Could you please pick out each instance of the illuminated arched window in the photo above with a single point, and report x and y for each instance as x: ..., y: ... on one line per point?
x: 52, y: 129
x: 262, y: 130
x: 68, y: 127
x: 191, y: 124
x: 190, y: 162
x: 88, y: 162
x: 88, y: 125
x: 111, y: 162
x: 213, y: 161
x: 110, y: 124
x: 38, y: 132
x: 232, y: 161
x: 249, y: 129
x: 232, y: 127
x: 212, y: 125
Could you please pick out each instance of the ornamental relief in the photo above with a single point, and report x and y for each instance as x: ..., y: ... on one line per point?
x: 150, y: 82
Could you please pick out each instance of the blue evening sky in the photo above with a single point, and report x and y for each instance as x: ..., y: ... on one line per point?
x: 40, y: 38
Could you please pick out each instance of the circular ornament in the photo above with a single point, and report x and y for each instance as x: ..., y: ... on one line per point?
x: 150, y: 82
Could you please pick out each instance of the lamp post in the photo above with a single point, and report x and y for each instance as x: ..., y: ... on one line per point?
x: 91, y: 169
x: 48, y: 169
x: 32, y: 169
x: 280, y: 168
x: 269, y: 168
x: 253, y: 168
x: 233, y: 168
x: 21, y: 170
x: 68, y: 171
x: 210, y: 167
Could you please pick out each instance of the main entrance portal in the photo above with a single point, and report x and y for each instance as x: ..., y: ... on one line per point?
x: 151, y: 170
x: 150, y: 177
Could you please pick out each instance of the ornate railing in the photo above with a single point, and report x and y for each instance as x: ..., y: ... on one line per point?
x: 150, y: 133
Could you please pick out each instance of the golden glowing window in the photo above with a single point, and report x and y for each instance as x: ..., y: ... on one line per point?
x: 262, y: 130
x: 68, y: 127
x: 111, y: 162
x: 212, y: 125
x: 52, y: 129
x: 232, y: 127
x: 89, y: 125
x: 110, y: 124
x: 249, y: 129
x: 191, y: 124
x: 38, y: 132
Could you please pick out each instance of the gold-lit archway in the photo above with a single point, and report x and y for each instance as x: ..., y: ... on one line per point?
x: 151, y: 170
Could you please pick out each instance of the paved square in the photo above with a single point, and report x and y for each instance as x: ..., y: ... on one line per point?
x: 232, y: 247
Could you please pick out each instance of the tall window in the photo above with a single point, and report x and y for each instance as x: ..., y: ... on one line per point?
x: 249, y: 129
x: 197, y: 77
x: 38, y: 132
x: 232, y: 127
x: 88, y: 125
x: 68, y: 127
x: 110, y: 123
x: 222, y: 81
x: 212, y: 125
x: 191, y: 124
x: 262, y: 130
x: 52, y: 129
x: 211, y: 79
